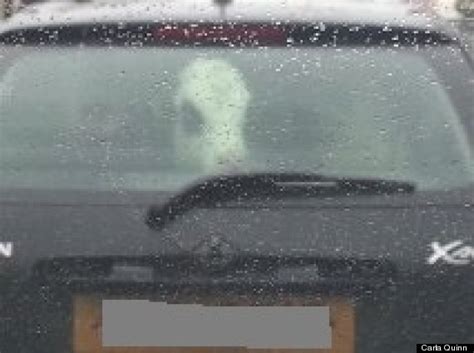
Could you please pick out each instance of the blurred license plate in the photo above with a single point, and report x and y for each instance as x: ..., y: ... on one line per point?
x: 89, y: 325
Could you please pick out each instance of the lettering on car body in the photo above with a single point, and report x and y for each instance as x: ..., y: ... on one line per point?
x: 453, y: 253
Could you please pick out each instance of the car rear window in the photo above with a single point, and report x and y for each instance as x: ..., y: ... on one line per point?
x: 127, y: 118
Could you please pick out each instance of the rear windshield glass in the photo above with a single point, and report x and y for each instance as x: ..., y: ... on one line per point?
x: 157, y: 118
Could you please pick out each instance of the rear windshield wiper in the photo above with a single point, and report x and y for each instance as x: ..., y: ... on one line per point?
x: 214, y: 191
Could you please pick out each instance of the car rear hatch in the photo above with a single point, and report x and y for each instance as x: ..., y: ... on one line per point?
x: 376, y: 261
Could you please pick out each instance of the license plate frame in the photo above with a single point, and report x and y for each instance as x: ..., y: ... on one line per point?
x: 87, y: 321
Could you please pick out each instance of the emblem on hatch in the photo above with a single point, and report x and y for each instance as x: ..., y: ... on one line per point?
x: 453, y: 253
x: 215, y: 252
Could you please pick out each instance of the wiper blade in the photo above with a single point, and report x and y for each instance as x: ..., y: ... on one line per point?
x: 214, y: 191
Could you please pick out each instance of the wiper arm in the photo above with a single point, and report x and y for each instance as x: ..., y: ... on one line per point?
x: 212, y: 192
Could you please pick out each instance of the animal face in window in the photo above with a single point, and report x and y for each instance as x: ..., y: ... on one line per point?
x: 211, y: 103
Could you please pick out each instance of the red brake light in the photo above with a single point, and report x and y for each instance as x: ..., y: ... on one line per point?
x: 237, y: 34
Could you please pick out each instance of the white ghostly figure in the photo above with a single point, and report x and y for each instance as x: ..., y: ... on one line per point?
x: 211, y: 102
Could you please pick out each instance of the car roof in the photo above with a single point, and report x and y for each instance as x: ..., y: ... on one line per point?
x: 363, y: 12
